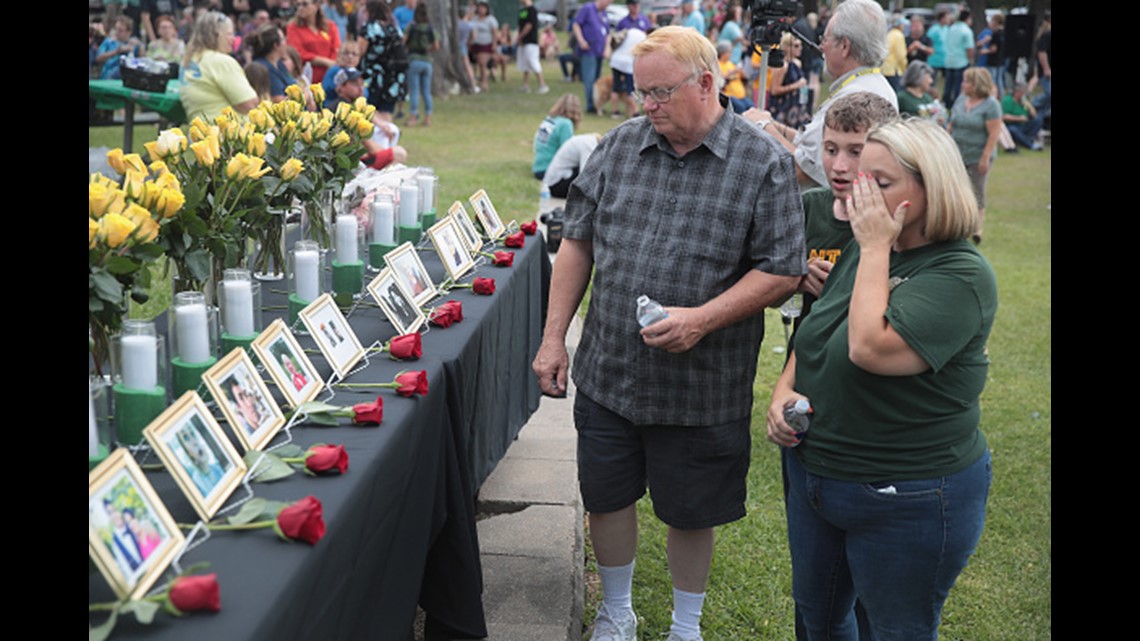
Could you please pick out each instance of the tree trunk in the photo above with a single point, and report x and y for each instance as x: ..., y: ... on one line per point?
x: 448, y: 60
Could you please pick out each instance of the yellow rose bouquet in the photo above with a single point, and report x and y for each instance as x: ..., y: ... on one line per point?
x: 125, y: 219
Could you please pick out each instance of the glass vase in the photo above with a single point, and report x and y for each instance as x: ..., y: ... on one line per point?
x: 267, y: 252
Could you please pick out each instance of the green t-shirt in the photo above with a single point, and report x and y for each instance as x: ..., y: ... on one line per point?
x: 868, y: 428
x: 212, y: 83
x: 911, y: 104
x: 825, y: 236
x: 1013, y: 107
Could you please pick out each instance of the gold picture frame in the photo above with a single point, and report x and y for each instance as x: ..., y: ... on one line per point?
x: 409, y: 269
x: 451, y: 248
x: 488, y: 217
x: 396, y: 303
x: 334, y: 336
x: 458, y: 213
x: 278, y: 350
x: 131, y: 553
x: 244, y: 399
x: 197, y: 453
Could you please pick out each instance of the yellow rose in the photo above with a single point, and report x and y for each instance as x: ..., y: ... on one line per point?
x: 215, y: 145
x: 322, y: 128
x: 116, y: 201
x: 289, y: 129
x: 291, y: 169
x: 170, y: 142
x: 256, y: 144
x: 204, y: 153
x: 97, y: 194
x: 135, y: 162
x: 115, y: 228
x: 150, y: 194
x: 351, y: 120
x: 168, y: 180
x: 342, y: 110
x: 236, y: 165
x: 115, y: 159
x: 318, y: 93
x: 340, y: 139
x: 103, y: 180
x: 133, y: 183
x: 158, y: 168
x: 359, y: 103
x: 170, y: 202
x: 293, y: 92
x: 368, y: 111
x: 199, y: 129
x: 307, y: 136
x: 146, y: 229
x: 94, y: 230
x: 364, y: 128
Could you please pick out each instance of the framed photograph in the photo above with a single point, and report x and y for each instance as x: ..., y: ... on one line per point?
x: 246, y: 403
x: 450, y: 247
x: 487, y: 215
x: 466, y: 228
x: 281, y: 354
x: 409, y: 269
x: 131, y: 536
x: 336, y: 339
x: 396, y: 302
x: 196, y: 453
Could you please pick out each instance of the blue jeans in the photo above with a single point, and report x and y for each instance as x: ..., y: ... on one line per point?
x: 998, y: 74
x: 1044, y: 102
x: 953, y: 86
x: 588, y: 67
x: 1025, y: 133
x: 419, y: 80
x: 898, y: 552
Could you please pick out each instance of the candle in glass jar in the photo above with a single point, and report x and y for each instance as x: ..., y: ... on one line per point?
x: 346, y: 251
x: 92, y: 429
x: 427, y: 192
x: 140, y: 362
x: 238, y: 310
x: 307, y: 274
x: 382, y: 221
x: 409, y: 204
x: 192, y: 332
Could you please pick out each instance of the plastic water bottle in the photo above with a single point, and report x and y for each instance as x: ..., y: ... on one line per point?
x: 307, y: 72
x: 649, y: 311
x: 797, y: 416
x: 544, y: 199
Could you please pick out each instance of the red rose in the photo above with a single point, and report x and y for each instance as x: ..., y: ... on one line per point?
x: 324, y: 458
x: 503, y: 259
x: 303, y: 520
x: 412, y: 383
x: 515, y: 240
x: 189, y: 593
x: 485, y: 286
x: 407, y: 346
x: 369, y: 413
x: 442, y: 316
x: 456, y: 309
x: 529, y: 228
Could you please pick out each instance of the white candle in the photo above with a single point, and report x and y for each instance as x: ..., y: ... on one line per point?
x: 346, y: 239
x: 192, y: 333
x: 308, y: 274
x: 140, y: 362
x: 92, y: 429
x: 238, y: 299
x: 427, y: 193
x: 382, y: 222
x: 409, y: 205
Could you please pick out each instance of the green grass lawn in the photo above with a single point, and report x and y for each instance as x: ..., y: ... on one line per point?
x: 484, y: 141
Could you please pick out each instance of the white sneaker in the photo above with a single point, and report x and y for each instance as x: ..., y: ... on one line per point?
x: 609, y: 628
x: 544, y: 89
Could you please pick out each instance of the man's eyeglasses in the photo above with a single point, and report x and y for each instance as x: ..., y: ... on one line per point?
x: 660, y: 95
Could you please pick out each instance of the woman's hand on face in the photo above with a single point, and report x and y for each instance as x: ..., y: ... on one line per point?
x: 871, y: 221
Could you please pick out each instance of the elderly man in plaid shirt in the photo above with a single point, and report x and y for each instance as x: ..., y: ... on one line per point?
x: 694, y: 207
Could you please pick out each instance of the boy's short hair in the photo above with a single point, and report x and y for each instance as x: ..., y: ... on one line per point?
x: 859, y: 112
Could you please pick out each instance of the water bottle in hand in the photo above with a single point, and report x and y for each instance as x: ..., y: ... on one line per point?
x: 649, y: 311
x: 797, y: 415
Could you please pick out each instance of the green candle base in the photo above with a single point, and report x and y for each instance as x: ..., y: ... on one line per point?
x: 92, y: 461
x: 135, y: 409
x: 376, y: 253
x: 428, y: 219
x: 187, y: 376
x: 410, y: 234
x: 296, y: 304
x: 230, y: 342
x: 347, y: 281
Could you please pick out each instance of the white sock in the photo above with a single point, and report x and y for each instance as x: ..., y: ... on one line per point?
x: 687, y: 613
x: 617, y: 587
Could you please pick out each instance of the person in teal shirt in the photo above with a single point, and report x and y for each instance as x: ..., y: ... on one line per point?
x: 555, y: 129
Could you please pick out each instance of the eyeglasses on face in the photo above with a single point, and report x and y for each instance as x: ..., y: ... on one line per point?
x: 660, y: 95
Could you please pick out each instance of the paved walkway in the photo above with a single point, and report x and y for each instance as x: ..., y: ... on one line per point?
x: 532, y: 545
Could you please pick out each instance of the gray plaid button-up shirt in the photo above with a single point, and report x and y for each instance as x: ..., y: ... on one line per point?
x: 681, y: 230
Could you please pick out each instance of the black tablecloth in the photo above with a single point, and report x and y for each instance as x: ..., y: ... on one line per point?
x: 401, y: 521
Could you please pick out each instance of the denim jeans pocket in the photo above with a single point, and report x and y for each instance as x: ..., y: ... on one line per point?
x: 905, y: 490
